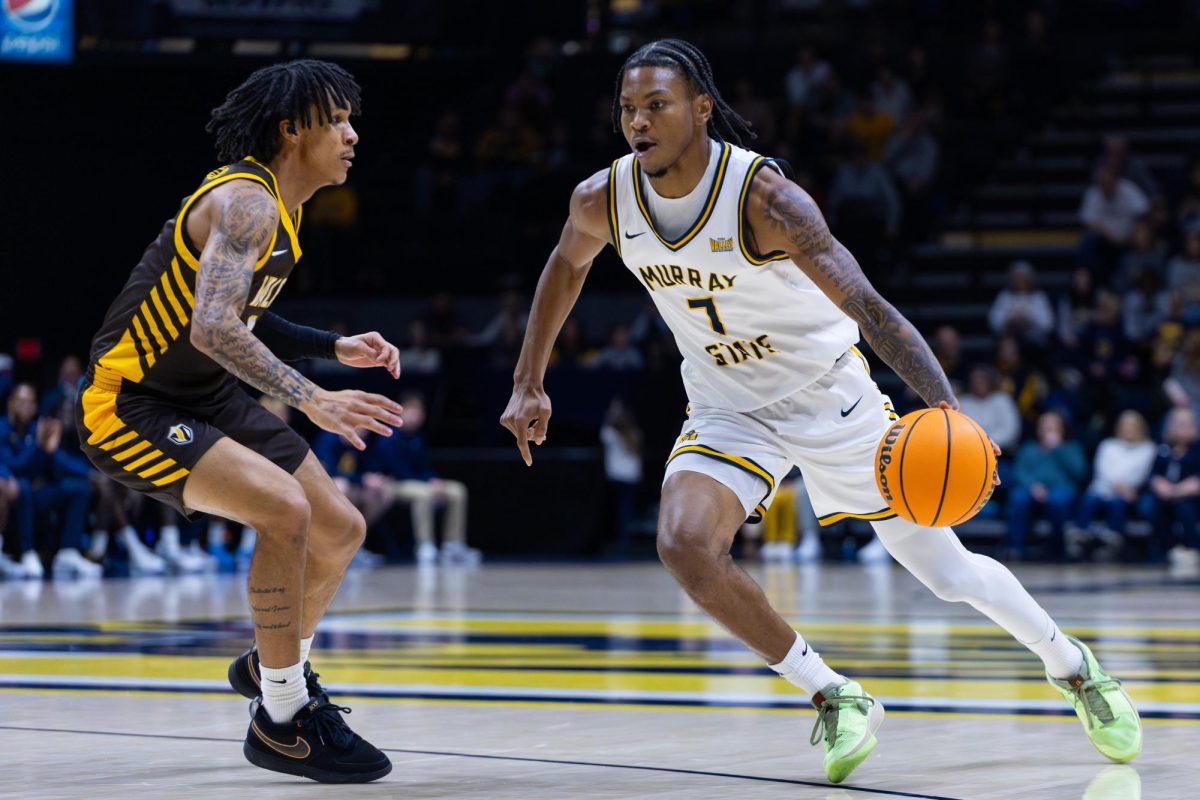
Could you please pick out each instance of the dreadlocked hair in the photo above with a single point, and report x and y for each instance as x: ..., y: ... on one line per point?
x: 725, y: 123
x: 247, y: 123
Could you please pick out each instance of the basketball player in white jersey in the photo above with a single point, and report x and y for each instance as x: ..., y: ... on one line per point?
x: 766, y: 307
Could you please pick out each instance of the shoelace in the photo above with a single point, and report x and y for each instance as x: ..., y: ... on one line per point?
x: 314, y: 687
x: 1089, y: 695
x: 330, y: 726
x: 827, y: 716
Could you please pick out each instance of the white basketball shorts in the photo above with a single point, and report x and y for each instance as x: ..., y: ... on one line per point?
x: 830, y: 430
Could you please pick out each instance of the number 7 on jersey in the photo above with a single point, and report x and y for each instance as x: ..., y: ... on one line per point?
x: 710, y: 308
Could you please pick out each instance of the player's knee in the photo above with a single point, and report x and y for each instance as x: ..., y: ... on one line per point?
x: 683, y: 546
x: 958, y: 586
x: 287, y: 515
x: 355, y: 526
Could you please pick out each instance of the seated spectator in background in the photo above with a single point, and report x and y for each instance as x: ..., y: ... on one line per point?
x: 509, y: 145
x: 1110, y: 207
x: 1024, y: 382
x: 1047, y: 477
x: 62, y: 395
x: 570, y: 348
x: 1174, y: 489
x: 48, y: 483
x: 869, y: 126
x: 1127, y: 165
x: 988, y: 71
x: 1147, y: 306
x: 436, y: 180
x: 1183, y: 276
x: 1187, y: 206
x: 994, y: 409
x: 911, y: 157
x: 620, y: 352
x: 349, y: 469
x: 1119, y: 470
x: 622, y: 441
x: 947, y: 348
x: 10, y: 492
x: 1147, y: 253
x: 891, y: 94
x: 418, y: 355
x: 442, y: 322
x: 1022, y: 310
x: 1182, y: 386
x: 1076, y: 307
x: 403, y: 461
x: 1107, y: 361
x: 510, y: 318
x: 803, y: 86
x: 756, y: 111
x: 6, y: 379
x: 862, y: 202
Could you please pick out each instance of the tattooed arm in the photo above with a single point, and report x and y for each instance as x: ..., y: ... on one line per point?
x: 240, y: 218
x: 783, y: 217
x: 241, y: 231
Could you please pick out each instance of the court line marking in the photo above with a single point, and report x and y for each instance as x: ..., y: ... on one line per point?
x: 522, y: 759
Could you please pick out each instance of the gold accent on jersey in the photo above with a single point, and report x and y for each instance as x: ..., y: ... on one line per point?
x: 101, y: 422
x: 777, y: 255
x: 126, y: 454
x: 612, y: 206
x: 830, y: 519
x: 709, y: 204
x: 740, y: 462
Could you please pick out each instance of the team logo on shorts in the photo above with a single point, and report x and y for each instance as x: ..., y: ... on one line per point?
x: 180, y: 434
x: 690, y: 436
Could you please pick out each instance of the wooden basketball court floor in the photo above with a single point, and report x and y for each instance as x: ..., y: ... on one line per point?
x: 592, y: 681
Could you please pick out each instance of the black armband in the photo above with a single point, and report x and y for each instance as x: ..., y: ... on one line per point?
x: 292, y: 342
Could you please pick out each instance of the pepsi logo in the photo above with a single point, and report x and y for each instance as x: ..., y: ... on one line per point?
x: 30, y: 15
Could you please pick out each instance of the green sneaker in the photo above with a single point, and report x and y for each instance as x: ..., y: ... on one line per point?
x: 1107, y: 713
x: 846, y: 719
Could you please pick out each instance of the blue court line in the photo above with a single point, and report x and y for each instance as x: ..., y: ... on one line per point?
x: 796, y: 705
x: 526, y: 760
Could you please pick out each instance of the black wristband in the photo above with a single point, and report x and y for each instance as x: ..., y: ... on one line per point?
x: 292, y: 342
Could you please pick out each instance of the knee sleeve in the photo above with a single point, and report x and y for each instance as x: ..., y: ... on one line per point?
x: 937, y: 559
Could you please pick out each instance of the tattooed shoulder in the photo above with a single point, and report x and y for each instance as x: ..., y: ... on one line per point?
x: 247, y: 217
x: 784, y: 217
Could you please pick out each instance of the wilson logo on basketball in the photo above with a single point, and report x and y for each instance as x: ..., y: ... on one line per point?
x: 180, y: 434
x: 885, y: 460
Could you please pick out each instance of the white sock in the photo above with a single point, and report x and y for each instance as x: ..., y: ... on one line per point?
x: 802, y: 667
x: 284, y: 691
x: 1062, y: 658
x: 305, y: 646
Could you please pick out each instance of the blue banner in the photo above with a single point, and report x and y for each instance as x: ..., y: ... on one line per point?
x: 37, y: 30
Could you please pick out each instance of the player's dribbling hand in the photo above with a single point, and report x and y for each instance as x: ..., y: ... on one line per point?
x: 349, y: 411
x: 995, y: 447
x: 527, y: 416
x: 368, y: 350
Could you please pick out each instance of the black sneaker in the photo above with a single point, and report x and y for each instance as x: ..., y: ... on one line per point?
x: 316, y: 744
x: 246, y: 680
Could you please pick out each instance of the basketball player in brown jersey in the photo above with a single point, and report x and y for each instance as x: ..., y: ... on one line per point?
x: 774, y: 380
x: 161, y: 410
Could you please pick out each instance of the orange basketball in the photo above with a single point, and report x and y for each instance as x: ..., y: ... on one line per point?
x: 935, y: 467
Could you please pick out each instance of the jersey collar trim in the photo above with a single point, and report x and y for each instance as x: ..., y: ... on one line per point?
x: 709, y: 204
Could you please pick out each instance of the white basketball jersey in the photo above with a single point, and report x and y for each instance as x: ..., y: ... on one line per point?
x: 753, y: 329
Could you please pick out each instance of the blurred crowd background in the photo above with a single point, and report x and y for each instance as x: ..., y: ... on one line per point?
x: 1022, y: 179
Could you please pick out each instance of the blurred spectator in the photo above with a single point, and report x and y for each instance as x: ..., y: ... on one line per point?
x: 508, y: 142
x: 510, y: 318
x: 1127, y: 165
x: 620, y: 353
x: 6, y: 379
x: 911, y: 156
x: 947, y: 348
x: 622, y: 441
x: 48, y: 484
x: 1174, y: 489
x: 437, y: 179
x: 1022, y: 310
x: 1110, y: 207
x: 1187, y: 206
x: 570, y: 348
x: 418, y: 356
x: 403, y: 461
x: 648, y: 325
x: 1105, y: 356
x: 10, y: 492
x: 862, y: 202
x: 756, y: 111
x: 442, y: 322
x: 1147, y: 306
x: 1047, y: 477
x: 1182, y: 386
x: 992, y: 408
x: 62, y: 395
x: 1035, y: 65
x: 1019, y: 379
x: 988, y: 71
x: 891, y: 93
x: 806, y: 80
x: 870, y: 126
x: 1076, y: 307
x: 1146, y: 252
x: 1183, y: 276
x: 349, y: 469
x: 1120, y: 469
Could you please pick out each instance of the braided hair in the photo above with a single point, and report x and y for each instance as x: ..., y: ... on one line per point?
x: 247, y: 123
x: 725, y: 123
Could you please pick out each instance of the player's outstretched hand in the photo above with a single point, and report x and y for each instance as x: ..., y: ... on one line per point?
x: 350, y: 411
x: 368, y: 350
x: 527, y: 416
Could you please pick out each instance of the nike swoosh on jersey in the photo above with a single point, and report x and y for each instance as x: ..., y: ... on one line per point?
x: 279, y: 252
x: 846, y: 412
x: 629, y: 235
x: 298, y: 749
